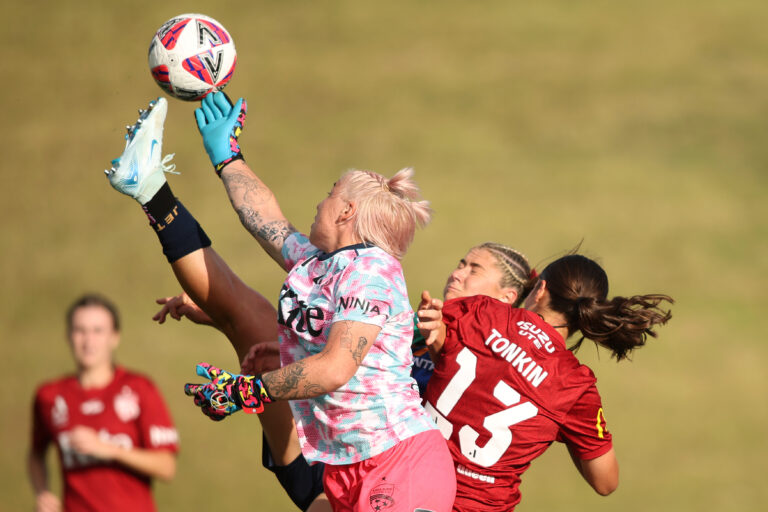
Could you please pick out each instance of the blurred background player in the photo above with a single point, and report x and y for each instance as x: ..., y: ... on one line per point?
x: 110, y: 425
x: 505, y: 385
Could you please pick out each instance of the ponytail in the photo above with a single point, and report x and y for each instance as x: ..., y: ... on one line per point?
x: 388, y: 210
x: 578, y: 289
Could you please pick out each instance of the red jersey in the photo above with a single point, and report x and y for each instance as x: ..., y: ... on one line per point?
x: 504, y: 389
x: 129, y: 412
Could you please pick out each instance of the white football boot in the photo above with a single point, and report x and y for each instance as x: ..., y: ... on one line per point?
x: 139, y: 171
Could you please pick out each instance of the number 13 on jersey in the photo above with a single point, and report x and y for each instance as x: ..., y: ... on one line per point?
x: 497, y: 424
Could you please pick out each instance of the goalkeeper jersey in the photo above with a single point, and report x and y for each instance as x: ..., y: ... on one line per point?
x: 380, y: 405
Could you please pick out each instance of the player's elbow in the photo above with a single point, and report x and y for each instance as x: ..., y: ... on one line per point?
x: 337, y: 376
x: 604, y: 488
x: 602, y: 473
x: 334, y: 370
x: 606, y: 482
x: 166, y: 469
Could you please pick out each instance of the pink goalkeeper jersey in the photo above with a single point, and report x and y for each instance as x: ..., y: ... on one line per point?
x: 504, y: 389
x: 379, y: 406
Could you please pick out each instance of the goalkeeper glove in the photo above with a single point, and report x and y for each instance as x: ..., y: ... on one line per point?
x: 220, y: 124
x: 227, y: 393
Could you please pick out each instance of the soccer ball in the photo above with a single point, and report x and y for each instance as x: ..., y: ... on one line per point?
x: 192, y: 55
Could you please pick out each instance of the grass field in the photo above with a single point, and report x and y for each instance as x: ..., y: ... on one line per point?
x: 639, y: 128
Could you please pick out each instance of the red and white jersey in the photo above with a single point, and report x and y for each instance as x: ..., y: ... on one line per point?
x: 129, y: 412
x: 504, y: 388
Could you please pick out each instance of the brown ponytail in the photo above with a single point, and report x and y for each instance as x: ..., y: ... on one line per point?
x: 578, y: 289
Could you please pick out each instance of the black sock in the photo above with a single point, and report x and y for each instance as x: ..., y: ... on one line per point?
x: 178, y: 231
x: 160, y: 204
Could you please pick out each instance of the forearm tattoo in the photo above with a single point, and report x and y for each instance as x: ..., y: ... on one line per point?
x: 276, y: 231
x: 295, y: 382
x: 247, y: 194
x: 292, y: 382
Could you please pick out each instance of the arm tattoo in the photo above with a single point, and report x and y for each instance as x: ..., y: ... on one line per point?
x: 291, y: 382
x: 247, y: 194
x: 346, y: 342
x: 346, y: 336
x: 276, y: 231
x: 357, y: 354
x: 246, y: 189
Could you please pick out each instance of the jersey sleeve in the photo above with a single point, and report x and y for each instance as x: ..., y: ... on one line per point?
x: 297, y: 248
x: 453, y: 312
x: 364, y: 294
x: 41, y: 435
x: 585, y: 429
x: 155, y: 424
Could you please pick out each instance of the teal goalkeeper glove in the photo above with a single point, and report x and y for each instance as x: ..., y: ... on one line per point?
x: 220, y: 124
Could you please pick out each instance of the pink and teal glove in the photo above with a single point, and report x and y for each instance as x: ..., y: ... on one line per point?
x: 227, y: 393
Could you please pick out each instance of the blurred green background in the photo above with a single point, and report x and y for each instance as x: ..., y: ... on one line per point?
x: 637, y: 127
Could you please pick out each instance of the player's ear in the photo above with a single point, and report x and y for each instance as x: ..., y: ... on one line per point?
x: 508, y: 295
x: 539, y: 290
x: 346, y: 214
x: 116, y: 340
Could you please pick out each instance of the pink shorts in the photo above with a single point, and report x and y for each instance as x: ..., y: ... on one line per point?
x: 415, y: 475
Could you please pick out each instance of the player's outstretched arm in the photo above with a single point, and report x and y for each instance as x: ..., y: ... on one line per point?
x: 257, y: 208
x: 220, y: 125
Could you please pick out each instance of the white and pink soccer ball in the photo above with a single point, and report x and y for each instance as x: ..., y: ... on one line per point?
x: 192, y: 55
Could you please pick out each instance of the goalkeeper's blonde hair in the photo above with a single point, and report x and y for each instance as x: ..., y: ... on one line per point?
x: 387, y: 210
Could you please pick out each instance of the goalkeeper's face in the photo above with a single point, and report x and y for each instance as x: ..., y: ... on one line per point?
x: 326, y: 230
x: 93, y: 337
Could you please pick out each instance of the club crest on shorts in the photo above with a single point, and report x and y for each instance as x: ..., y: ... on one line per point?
x: 381, y: 497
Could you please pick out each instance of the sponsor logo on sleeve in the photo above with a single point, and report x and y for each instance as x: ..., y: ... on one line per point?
x: 367, y: 307
x: 163, y: 436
